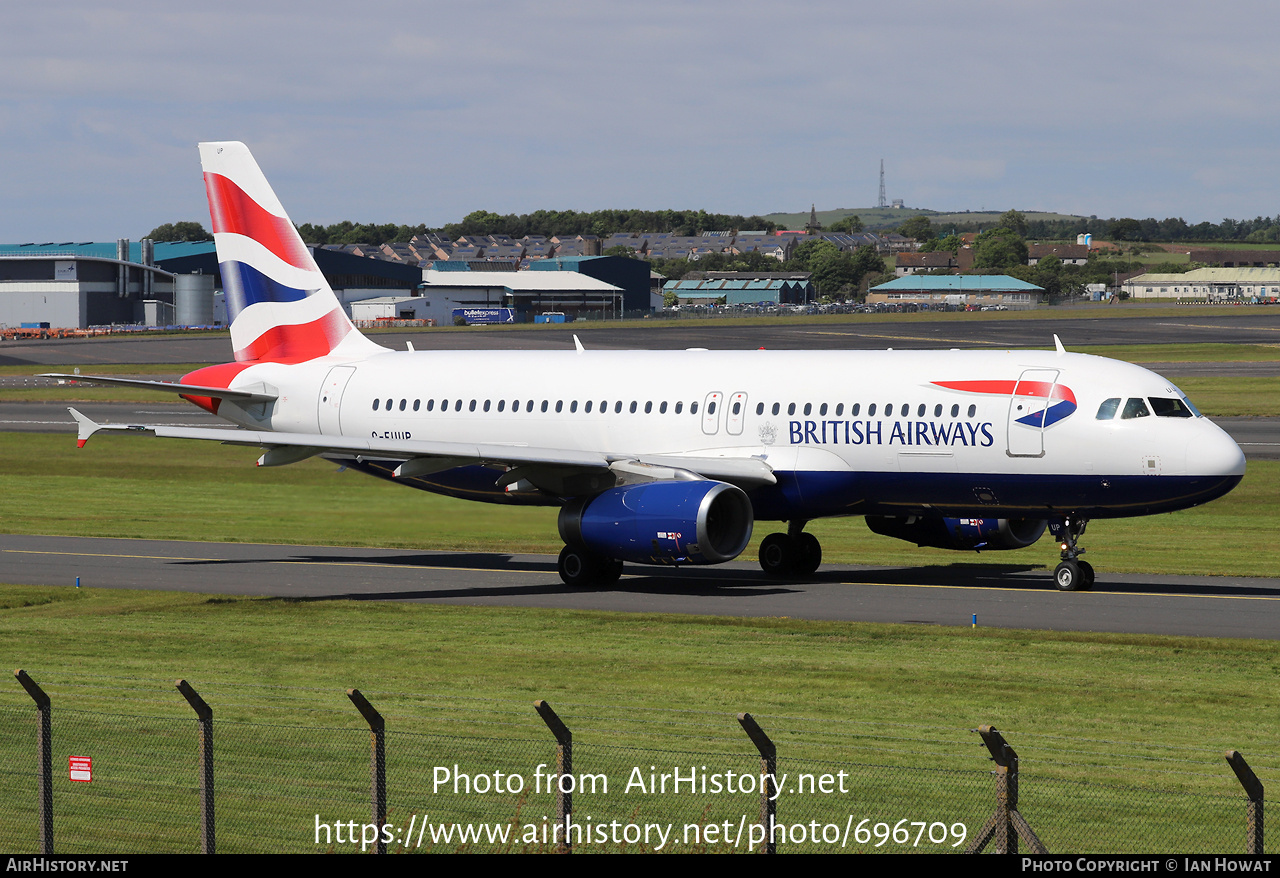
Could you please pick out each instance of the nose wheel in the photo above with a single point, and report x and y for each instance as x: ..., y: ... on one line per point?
x: 1072, y: 574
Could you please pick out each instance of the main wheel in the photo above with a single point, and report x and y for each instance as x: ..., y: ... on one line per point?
x: 1086, y: 575
x: 610, y: 571
x: 578, y: 568
x: 776, y: 555
x: 1068, y: 576
x: 808, y: 554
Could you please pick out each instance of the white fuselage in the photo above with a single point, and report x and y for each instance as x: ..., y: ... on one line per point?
x: 883, y: 416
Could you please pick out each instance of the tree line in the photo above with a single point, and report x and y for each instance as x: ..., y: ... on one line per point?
x: 1171, y: 230
x: 548, y: 223
x: 603, y: 223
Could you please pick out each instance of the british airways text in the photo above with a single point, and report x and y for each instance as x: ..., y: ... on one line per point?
x: 915, y: 433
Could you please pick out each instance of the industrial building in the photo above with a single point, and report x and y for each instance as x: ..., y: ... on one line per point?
x: 742, y: 288
x: 529, y: 293
x: 78, y: 285
x: 964, y: 290
x: 632, y: 276
x: 1207, y: 285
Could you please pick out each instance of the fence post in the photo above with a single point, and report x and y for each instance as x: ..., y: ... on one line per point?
x: 44, y: 758
x: 1006, y: 825
x: 204, y: 716
x: 564, y: 766
x: 1253, y: 811
x: 377, y: 763
x: 768, y: 789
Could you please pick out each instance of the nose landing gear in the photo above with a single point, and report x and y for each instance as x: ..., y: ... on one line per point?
x: 1072, y: 574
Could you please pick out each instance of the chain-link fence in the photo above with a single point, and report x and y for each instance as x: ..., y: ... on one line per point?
x: 298, y: 770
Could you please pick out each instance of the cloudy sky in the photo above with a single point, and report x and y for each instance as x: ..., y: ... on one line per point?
x: 415, y: 112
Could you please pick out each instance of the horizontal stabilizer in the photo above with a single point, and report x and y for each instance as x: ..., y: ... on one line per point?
x: 87, y: 427
x: 168, y: 386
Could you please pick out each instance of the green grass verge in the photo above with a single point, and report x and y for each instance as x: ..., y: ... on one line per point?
x: 126, y: 369
x: 1246, y: 396
x: 1100, y: 721
x: 1183, y: 353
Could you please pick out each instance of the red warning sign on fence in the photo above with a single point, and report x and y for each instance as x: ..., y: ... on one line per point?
x: 80, y: 768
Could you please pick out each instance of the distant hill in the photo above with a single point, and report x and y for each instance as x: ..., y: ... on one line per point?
x: 882, y: 217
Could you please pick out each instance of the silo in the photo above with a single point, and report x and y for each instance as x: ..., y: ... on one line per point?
x: 193, y: 299
x: 122, y: 268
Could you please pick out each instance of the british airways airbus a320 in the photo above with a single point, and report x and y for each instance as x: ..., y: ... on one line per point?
x: 664, y: 457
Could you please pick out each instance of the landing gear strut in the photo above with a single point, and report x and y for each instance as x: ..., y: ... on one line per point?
x: 1073, y: 574
x: 794, y: 553
x: 580, y: 568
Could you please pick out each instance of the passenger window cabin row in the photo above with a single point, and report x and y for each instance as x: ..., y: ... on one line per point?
x: 808, y: 409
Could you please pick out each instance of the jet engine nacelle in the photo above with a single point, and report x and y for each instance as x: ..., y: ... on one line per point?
x: 667, y: 522
x: 960, y: 533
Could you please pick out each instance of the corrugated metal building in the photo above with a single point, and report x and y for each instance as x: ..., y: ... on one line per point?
x: 629, y: 275
x: 78, y: 285
x: 528, y: 292
x: 1207, y: 285
x: 958, y: 289
x: 740, y: 291
x: 95, y: 284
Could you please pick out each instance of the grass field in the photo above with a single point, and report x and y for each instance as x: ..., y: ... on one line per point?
x: 891, y: 705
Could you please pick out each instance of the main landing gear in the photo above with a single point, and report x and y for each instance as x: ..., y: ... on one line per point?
x: 794, y: 553
x: 580, y: 568
x: 1073, y: 574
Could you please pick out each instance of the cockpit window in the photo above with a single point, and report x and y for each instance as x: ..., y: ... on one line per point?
x: 1169, y: 408
x: 1188, y: 403
x: 1107, y: 410
x: 1134, y: 408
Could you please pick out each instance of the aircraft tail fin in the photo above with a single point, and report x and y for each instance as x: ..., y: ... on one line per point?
x: 280, y: 307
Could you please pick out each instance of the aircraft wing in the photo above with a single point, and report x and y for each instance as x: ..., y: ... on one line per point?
x: 745, y: 472
x: 429, y: 455
x: 170, y: 386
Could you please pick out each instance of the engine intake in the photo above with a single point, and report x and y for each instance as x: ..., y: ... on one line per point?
x: 960, y: 533
x: 666, y: 522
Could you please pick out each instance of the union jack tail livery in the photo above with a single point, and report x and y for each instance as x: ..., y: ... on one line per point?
x: 280, y: 306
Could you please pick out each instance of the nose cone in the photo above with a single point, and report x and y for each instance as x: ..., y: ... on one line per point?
x: 1216, y: 463
x: 1215, y: 454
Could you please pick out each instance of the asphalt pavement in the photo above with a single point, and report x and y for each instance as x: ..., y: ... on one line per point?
x: 1010, y: 595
